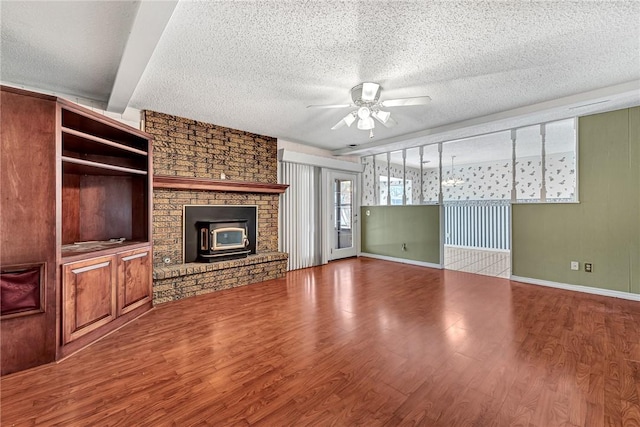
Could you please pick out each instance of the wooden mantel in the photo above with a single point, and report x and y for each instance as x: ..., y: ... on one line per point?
x: 186, y: 183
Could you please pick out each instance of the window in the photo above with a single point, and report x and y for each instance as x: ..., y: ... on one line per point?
x: 343, y: 204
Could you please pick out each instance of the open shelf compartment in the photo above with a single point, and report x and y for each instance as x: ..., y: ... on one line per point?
x: 74, y: 165
x: 75, y: 122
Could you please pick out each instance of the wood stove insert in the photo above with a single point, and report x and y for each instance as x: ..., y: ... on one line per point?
x: 233, y: 244
x: 222, y: 239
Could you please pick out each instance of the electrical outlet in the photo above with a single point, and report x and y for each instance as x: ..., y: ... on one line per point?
x: 588, y: 267
x: 575, y: 265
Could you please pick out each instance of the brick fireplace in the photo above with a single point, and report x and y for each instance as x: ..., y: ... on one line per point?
x: 189, y: 159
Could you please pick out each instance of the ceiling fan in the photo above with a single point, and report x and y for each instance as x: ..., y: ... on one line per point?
x: 366, y: 99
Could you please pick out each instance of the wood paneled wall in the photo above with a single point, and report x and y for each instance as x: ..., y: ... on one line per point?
x: 27, y: 220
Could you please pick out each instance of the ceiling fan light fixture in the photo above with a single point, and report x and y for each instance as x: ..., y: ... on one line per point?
x: 364, y: 113
x: 382, y: 116
x: 346, y: 120
x: 349, y: 119
x: 366, y: 100
x: 369, y: 91
x: 366, y: 124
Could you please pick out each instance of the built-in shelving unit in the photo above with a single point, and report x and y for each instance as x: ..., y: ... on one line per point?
x: 79, y: 186
x: 105, y: 182
x: 105, y: 224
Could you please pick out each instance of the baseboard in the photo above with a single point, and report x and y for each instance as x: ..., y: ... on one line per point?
x: 402, y: 260
x: 578, y: 288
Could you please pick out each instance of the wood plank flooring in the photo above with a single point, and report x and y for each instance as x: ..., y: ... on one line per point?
x: 355, y: 342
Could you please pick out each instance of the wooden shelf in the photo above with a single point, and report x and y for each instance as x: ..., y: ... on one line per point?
x: 86, y: 167
x: 101, y: 127
x: 78, y: 142
x: 185, y: 183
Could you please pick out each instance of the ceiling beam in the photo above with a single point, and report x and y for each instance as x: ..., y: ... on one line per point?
x: 149, y: 24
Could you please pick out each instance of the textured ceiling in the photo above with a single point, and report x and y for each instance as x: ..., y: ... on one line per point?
x: 70, y: 47
x: 256, y: 65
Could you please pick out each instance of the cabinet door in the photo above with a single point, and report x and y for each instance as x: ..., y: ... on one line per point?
x: 134, y: 279
x: 89, y: 296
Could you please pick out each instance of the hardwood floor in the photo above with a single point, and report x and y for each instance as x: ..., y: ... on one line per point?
x: 355, y: 342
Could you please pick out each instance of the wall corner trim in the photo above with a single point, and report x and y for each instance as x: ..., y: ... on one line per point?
x: 577, y: 288
x: 401, y: 260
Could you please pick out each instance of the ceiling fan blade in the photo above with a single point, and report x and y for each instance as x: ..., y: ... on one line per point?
x: 369, y: 91
x: 338, y: 125
x: 330, y: 106
x: 402, y: 102
x: 346, y: 120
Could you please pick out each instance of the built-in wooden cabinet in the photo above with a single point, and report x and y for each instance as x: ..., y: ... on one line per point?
x: 88, y: 295
x: 76, y: 198
x: 98, y: 290
x: 134, y: 279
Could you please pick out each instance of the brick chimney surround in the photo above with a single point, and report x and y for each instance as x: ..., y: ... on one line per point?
x: 196, y: 163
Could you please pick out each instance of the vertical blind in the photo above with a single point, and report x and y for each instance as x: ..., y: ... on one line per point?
x: 300, y: 215
x: 477, y: 225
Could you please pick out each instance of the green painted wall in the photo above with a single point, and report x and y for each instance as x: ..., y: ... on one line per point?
x: 604, y: 228
x: 386, y: 228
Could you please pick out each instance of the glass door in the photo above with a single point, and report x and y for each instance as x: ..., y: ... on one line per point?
x: 343, y: 216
